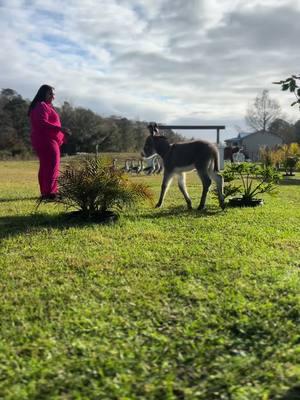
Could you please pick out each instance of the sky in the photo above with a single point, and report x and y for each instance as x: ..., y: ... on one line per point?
x: 171, y: 61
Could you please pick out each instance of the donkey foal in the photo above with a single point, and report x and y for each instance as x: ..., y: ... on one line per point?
x: 183, y: 157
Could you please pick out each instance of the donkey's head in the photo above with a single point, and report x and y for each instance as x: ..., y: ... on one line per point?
x: 149, y: 147
x: 153, y: 128
x: 155, y: 144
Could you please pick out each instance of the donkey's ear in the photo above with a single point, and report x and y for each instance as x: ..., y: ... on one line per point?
x: 152, y: 129
x: 155, y: 129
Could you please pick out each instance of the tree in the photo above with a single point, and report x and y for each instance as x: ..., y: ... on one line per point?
x: 14, y: 124
x: 297, y: 131
x: 283, y: 129
x: 7, y: 95
x: 291, y: 85
x: 85, y: 126
x: 17, y: 109
x: 263, y: 112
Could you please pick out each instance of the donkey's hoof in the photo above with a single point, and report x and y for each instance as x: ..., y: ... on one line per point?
x: 223, y: 205
x: 157, y: 205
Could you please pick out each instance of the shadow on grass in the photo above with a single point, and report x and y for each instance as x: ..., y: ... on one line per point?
x: 16, y: 224
x: 8, y: 200
x: 181, y: 211
x: 289, y: 181
x: 292, y: 394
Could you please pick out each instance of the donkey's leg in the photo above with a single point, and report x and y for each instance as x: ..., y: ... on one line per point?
x: 206, y: 182
x: 167, y: 179
x: 182, y: 187
x: 218, y: 179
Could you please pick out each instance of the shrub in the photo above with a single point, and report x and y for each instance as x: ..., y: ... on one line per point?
x: 255, y: 179
x: 290, y: 165
x: 5, y: 155
x: 92, y: 186
x: 271, y: 157
x: 291, y: 157
x: 286, y: 156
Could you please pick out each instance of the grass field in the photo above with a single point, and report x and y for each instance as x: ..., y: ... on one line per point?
x: 165, y: 304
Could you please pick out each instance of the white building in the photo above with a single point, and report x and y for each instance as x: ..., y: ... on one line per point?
x: 252, y: 142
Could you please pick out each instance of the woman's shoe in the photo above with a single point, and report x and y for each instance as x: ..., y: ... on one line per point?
x: 50, y: 197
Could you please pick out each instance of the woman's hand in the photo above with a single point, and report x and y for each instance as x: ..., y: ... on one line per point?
x: 66, y: 131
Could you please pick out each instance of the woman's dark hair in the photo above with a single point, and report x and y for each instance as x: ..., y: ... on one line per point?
x: 40, y: 96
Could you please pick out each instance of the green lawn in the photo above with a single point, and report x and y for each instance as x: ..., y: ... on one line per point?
x: 165, y: 304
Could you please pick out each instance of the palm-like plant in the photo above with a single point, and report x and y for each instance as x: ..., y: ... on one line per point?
x: 255, y: 179
x: 93, y: 186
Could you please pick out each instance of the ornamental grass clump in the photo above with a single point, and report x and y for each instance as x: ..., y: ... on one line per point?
x: 286, y: 157
x: 93, y: 186
x: 249, y: 180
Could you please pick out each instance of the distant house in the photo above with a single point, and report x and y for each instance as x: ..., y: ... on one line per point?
x: 252, y: 142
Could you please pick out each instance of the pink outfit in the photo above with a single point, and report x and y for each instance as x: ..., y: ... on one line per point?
x: 46, y: 139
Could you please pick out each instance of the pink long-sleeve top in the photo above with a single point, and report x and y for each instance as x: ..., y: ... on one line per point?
x: 45, y: 125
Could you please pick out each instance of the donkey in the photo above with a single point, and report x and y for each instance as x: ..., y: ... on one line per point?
x: 183, y: 157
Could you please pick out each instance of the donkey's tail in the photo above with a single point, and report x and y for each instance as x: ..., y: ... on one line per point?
x: 216, y: 160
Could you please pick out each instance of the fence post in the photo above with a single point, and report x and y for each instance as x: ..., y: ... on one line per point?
x: 221, y: 155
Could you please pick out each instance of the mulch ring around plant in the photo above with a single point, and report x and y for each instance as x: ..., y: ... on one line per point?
x: 103, y: 217
x: 240, y: 202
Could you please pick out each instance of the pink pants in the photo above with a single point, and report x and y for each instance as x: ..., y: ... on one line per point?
x: 49, y: 156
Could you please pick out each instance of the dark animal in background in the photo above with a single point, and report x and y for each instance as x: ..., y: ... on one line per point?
x: 183, y: 157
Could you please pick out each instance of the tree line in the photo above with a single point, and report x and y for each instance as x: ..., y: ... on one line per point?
x: 115, y: 133
x: 90, y: 131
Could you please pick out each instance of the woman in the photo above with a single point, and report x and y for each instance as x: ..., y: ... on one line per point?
x: 47, y: 135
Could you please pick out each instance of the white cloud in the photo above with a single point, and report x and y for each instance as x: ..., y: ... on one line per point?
x: 171, y: 61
